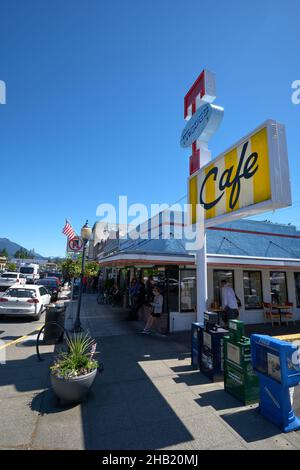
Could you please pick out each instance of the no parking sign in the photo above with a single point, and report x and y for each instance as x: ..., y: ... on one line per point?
x: 75, y: 244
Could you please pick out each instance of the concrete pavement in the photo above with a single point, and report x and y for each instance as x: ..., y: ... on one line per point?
x: 148, y: 397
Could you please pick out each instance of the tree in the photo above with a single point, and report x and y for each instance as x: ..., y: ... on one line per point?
x: 91, y: 268
x: 4, y: 253
x: 70, y: 268
x: 21, y: 254
x: 11, y: 267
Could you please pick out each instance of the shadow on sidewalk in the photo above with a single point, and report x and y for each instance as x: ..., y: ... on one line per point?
x: 125, y: 409
x: 218, y: 399
x: 46, y: 402
x: 250, y: 425
x: 25, y: 375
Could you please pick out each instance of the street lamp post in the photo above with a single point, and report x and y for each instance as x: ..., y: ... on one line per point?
x: 86, y: 232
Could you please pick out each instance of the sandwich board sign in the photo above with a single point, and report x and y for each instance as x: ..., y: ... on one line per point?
x: 251, y: 177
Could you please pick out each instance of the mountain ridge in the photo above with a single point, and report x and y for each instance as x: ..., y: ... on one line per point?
x: 12, y: 247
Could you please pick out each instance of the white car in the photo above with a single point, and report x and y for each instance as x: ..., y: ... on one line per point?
x: 28, y: 300
x: 8, y: 279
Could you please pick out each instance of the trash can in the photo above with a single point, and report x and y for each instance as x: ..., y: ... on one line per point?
x: 53, y: 333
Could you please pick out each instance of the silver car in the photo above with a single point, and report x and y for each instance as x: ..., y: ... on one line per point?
x: 28, y: 300
x: 8, y: 279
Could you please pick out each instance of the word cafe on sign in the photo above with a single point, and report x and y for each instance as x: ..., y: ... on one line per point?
x: 250, y: 177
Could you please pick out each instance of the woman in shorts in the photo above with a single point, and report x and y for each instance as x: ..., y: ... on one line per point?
x: 157, y: 308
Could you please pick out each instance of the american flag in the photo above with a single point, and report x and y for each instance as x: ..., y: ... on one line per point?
x: 68, y: 230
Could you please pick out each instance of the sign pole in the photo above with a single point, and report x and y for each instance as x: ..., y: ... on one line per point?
x: 201, y: 270
x: 203, y: 120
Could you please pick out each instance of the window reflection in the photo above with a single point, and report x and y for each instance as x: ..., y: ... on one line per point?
x: 188, y: 290
x: 252, y: 289
x: 278, y: 287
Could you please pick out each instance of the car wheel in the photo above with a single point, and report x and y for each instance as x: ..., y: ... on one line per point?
x: 38, y: 315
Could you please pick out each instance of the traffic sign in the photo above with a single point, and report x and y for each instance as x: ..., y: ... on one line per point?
x: 75, y: 244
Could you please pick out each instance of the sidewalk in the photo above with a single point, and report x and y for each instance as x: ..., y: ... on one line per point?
x: 149, y: 397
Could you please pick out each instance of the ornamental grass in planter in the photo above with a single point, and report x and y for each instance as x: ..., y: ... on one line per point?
x: 74, y: 371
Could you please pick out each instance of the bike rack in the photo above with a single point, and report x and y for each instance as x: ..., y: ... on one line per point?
x: 40, y: 332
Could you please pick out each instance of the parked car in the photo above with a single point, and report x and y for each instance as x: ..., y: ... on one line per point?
x: 28, y: 300
x: 8, y: 279
x: 56, y: 275
x: 52, y: 286
x: 57, y: 281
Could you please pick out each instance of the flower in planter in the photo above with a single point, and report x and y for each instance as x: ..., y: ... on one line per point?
x: 79, y: 360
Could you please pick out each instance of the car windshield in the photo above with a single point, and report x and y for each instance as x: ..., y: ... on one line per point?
x: 26, y: 270
x: 20, y: 293
x: 10, y: 275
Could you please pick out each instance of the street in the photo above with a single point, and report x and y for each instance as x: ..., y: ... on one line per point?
x: 22, y: 380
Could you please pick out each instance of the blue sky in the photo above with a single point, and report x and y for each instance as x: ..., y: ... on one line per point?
x: 95, y: 101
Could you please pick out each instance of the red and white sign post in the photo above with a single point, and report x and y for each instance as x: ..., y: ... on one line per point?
x: 202, y: 91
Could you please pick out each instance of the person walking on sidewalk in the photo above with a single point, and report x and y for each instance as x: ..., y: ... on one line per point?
x: 157, y: 308
x: 229, y: 302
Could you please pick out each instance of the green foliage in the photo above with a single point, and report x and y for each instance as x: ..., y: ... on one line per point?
x: 70, y: 268
x: 4, y: 253
x: 22, y: 254
x: 91, y: 268
x: 11, y: 267
x: 79, y: 360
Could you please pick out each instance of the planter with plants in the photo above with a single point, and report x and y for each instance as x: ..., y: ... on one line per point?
x: 74, y: 371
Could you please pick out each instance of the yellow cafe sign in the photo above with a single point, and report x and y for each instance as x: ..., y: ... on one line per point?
x: 250, y: 177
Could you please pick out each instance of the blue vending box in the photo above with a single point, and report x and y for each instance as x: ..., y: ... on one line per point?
x: 277, y: 365
x: 195, y: 346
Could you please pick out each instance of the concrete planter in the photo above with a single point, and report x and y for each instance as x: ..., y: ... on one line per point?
x: 73, y: 390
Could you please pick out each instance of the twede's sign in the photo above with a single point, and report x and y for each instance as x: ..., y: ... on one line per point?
x: 202, y: 125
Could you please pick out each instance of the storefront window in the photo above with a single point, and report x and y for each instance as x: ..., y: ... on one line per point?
x: 219, y: 276
x: 252, y: 289
x: 188, y: 290
x: 297, y: 286
x: 166, y: 278
x: 278, y: 287
x: 173, y: 289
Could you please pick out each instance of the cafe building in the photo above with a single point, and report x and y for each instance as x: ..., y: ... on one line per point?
x: 260, y: 259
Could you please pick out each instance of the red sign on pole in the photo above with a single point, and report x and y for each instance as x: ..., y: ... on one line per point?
x: 75, y: 244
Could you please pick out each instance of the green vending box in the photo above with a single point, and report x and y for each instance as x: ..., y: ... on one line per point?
x: 236, y: 330
x: 240, y: 380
